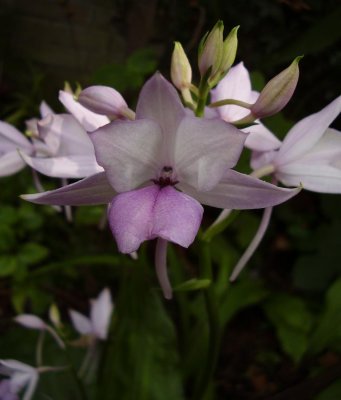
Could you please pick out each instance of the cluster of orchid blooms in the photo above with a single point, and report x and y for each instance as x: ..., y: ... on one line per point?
x: 154, y: 168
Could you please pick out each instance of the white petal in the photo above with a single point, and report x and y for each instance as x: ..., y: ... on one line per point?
x: 15, y: 365
x: 100, y: 314
x: 89, y: 191
x: 80, y: 322
x: 10, y: 163
x: 45, y: 109
x: 64, y: 167
x: 241, y: 192
x: 204, y: 149
x: 235, y: 85
x: 12, y: 134
x: 260, y: 138
x: 88, y: 119
x: 317, y: 177
x: 128, y: 151
x: 307, y: 132
x: 30, y: 321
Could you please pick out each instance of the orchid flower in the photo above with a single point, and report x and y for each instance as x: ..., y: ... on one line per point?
x: 97, y: 325
x: 33, y: 322
x: 159, y: 168
x: 63, y: 149
x: 20, y: 376
x: 309, y: 156
x: 236, y: 85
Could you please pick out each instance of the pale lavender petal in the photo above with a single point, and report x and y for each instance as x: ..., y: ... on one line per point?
x: 161, y: 267
x: 45, y: 109
x: 151, y: 212
x: 317, y: 177
x: 205, y: 148
x: 128, y: 151
x: 10, y: 163
x: 81, y: 323
x: 253, y: 245
x: 30, y: 321
x: 90, y: 191
x: 88, y: 119
x: 307, y: 132
x: 130, y: 217
x: 32, y: 386
x: 9, y: 134
x: 15, y: 365
x: 5, y: 391
x: 239, y: 191
x: 260, y: 159
x: 260, y: 138
x: 100, y: 314
x: 102, y: 100
x: 176, y: 217
x: 159, y: 101
x: 235, y: 85
x: 73, y: 167
x: 49, y: 131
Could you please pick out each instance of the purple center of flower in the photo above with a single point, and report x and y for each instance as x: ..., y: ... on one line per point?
x: 166, y: 177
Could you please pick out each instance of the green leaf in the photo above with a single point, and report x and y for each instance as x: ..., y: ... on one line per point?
x: 192, y: 284
x: 293, y: 322
x: 141, y: 360
x: 8, y: 265
x: 32, y: 253
x: 333, y: 392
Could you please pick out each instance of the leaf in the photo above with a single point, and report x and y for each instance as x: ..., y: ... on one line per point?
x: 293, y: 322
x: 32, y: 253
x: 141, y: 361
x: 192, y: 284
x: 8, y: 265
x: 333, y: 392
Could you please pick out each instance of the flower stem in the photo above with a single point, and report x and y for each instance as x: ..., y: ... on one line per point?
x: 76, y: 378
x: 213, y: 324
x: 202, y: 98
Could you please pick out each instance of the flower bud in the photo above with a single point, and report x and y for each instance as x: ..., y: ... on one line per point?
x: 54, y: 316
x: 181, y: 71
x: 229, y: 50
x: 277, y: 92
x: 210, y: 50
x: 103, y: 100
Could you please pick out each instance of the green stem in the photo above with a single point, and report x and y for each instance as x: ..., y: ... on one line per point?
x: 76, y: 378
x: 202, y: 98
x: 213, y: 324
x: 226, y: 102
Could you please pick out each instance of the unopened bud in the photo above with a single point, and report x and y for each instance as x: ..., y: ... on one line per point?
x: 181, y: 71
x: 277, y: 92
x: 54, y: 316
x: 210, y: 50
x: 103, y: 100
x: 230, y: 46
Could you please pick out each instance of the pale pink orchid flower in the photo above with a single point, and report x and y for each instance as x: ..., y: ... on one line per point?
x: 31, y: 321
x: 159, y: 168
x: 22, y: 378
x: 97, y: 326
x: 310, y: 155
x: 236, y: 85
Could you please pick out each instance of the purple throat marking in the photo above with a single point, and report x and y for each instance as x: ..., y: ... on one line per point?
x: 165, y: 178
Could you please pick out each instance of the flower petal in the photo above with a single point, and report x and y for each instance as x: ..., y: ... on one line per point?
x: 235, y: 85
x: 10, y: 163
x: 100, y: 314
x: 64, y: 167
x: 102, y: 100
x: 239, y: 191
x: 128, y: 152
x: 10, y: 135
x: 307, y: 132
x: 80, y: 322
x: 317, y: 177
x: 30, y: 321
x: 88, y: 119
x: 89, y: 191
x: 151, y: 212
x: 205, y: 148
x: 260, y: 138
x: 159, y: 101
